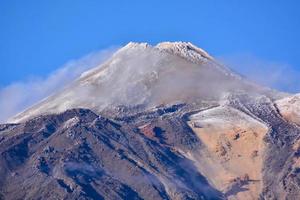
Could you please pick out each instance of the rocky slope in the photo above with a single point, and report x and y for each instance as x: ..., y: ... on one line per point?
x: 162, y: 122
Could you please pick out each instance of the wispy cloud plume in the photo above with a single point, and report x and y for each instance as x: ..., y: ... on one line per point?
x: 275, y: 75
x: 16, y: 97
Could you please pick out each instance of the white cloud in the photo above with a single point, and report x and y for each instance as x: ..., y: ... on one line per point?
x: 18, y: 96
x: 276, y: 75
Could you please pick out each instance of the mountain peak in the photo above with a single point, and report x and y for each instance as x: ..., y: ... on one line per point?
x: 184, y: 50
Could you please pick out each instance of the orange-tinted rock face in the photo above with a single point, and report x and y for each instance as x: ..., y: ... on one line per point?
x: 152, y: 132
x: 147, y: 130
x: 234, y: 146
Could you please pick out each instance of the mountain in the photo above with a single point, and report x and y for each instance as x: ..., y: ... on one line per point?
x: 155, y: 122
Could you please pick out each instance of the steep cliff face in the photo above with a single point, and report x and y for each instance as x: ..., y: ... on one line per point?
x: 155, y: 122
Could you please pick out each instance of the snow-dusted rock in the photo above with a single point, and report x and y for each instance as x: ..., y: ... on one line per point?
x: 289, y: 108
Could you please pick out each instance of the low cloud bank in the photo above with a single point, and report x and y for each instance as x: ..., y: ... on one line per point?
x: 275, y: 75
x: 18, y: 96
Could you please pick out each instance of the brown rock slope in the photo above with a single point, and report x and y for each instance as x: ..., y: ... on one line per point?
x: 234, y: 146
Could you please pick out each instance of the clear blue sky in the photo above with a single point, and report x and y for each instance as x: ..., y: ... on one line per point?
x: 38, y: 36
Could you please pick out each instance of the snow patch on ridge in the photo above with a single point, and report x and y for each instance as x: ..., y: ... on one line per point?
x: 186, y: 50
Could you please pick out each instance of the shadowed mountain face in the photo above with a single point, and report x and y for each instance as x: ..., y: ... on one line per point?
x: 80, y: 155
x: 163, y: 122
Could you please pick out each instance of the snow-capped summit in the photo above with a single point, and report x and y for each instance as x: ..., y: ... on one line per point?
x: 185, y: 50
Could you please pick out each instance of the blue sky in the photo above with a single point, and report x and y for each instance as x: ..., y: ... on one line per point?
x: 37, y: 37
